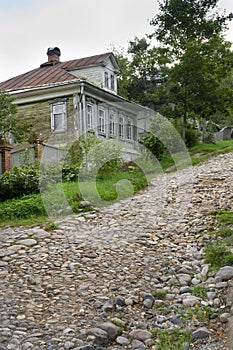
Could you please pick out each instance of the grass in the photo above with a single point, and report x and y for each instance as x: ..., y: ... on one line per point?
x: 199, y: 291
x: 200, y: 313
x: 104, y: 190
x: 200, y: 153
x: 171, y: 339
x: 160, y: 294
x: 219, y: 252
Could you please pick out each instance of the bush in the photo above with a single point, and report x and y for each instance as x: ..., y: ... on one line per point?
x: 209, y: 138
x: 191, y: 138
x: 154, y: 145
x: 21, y: 181
x: 22, y: 208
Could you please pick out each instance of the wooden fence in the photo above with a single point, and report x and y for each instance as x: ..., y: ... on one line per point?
x: 28, y: 155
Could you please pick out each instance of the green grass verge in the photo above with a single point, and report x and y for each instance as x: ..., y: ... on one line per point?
x: 107, y: 188
x: 200, y: 153
x: 219, y: 251
x: 174, y: 339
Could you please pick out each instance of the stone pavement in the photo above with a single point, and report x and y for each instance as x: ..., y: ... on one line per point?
x: 112, y: 279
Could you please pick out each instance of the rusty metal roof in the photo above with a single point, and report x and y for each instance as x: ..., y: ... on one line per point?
x: 50, y: 74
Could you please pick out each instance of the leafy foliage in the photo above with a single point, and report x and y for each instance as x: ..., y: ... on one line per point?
x: 188, y: 75
x: 154, y: 145
x: 28, y: 206
x: 10, y: 125
x: 19, y: 182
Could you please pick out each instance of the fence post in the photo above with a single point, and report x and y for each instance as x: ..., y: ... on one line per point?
x: 38, y: 147
x: 6, y: 148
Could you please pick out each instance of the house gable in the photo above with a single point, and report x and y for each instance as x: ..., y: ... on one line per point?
x: 90, y: 68
x: 102, y: 74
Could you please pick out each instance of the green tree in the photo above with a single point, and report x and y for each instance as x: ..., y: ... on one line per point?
x: 10, y: 125
x: 143, y: 73
x: 191, y: 32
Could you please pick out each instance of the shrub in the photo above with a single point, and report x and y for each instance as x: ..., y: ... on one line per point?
x: 154, y: 145
x: 70, y: 172
x: 25, y: 207
x: 21, y: 181
x: 191, y: 137
x: 209, y: 137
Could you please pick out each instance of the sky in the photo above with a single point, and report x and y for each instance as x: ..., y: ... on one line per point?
x: 80, y: 28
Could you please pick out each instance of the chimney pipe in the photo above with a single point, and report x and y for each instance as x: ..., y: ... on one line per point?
x: 53, y: 54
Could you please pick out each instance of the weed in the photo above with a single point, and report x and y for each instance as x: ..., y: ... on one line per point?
x: 171, y: 339
x: 50, y: 226
x: 200, y: 313
x: 199, y: 291
x: 222, y: 232
x: 160, y: 294
x: 217, y: 254
x: 225, y: 217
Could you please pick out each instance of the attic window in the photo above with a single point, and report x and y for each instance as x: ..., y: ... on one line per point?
x: 112, y: 82
x: 106, y: 80
x: 58, y: 117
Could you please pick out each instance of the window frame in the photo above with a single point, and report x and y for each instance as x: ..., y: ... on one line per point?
x: 90, y: 116
x: 112, y: 123
x: 102, y: 121
x: 112, y: 82
x: 62, y: 126
x: 129, y: 130
x: 121, y: 128
x: 106, y: 80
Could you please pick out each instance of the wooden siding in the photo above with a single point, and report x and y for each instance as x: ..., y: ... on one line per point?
x: 93, y: 75
x: 39, y: 114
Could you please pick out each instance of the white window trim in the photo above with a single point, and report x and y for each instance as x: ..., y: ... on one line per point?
x: 112, y: 82
x: 112, y: 121
x: 59, y: 108
x: 106, y: 80
x: 121, y: 127
x: 90, y: 116
x: 129, y: 130
x: 101, y: 121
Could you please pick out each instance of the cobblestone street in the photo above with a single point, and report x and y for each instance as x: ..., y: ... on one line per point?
x: 109, y: 279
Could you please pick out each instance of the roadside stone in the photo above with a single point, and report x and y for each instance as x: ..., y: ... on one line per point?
x: 137, y: 345
x: 27, y: 242
x: 225, y: 273
x: 140, y: 334
x: 190, y: 300
x: 108, y: 306
x: 112, y: 330
x: 201, y: 333
x: 224, y: 318
x: 100, y: 336
x: 122, y: 340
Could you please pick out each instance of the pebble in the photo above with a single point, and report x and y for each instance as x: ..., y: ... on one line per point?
x: 106, y: 280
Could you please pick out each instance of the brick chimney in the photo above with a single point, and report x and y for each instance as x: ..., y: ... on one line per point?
x: 54, y: 54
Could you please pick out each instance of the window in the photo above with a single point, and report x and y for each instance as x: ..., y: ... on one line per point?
x: 90, y: 115
x: 112, y: 123
x: 129, y: 130
x: 112, y: 82
x: 106, y: 79
x: 121, y: 127
x: 102, y: 126
x: 58, y: 117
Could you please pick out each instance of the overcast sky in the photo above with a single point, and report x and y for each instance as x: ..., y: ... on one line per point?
x: 78, y: 27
